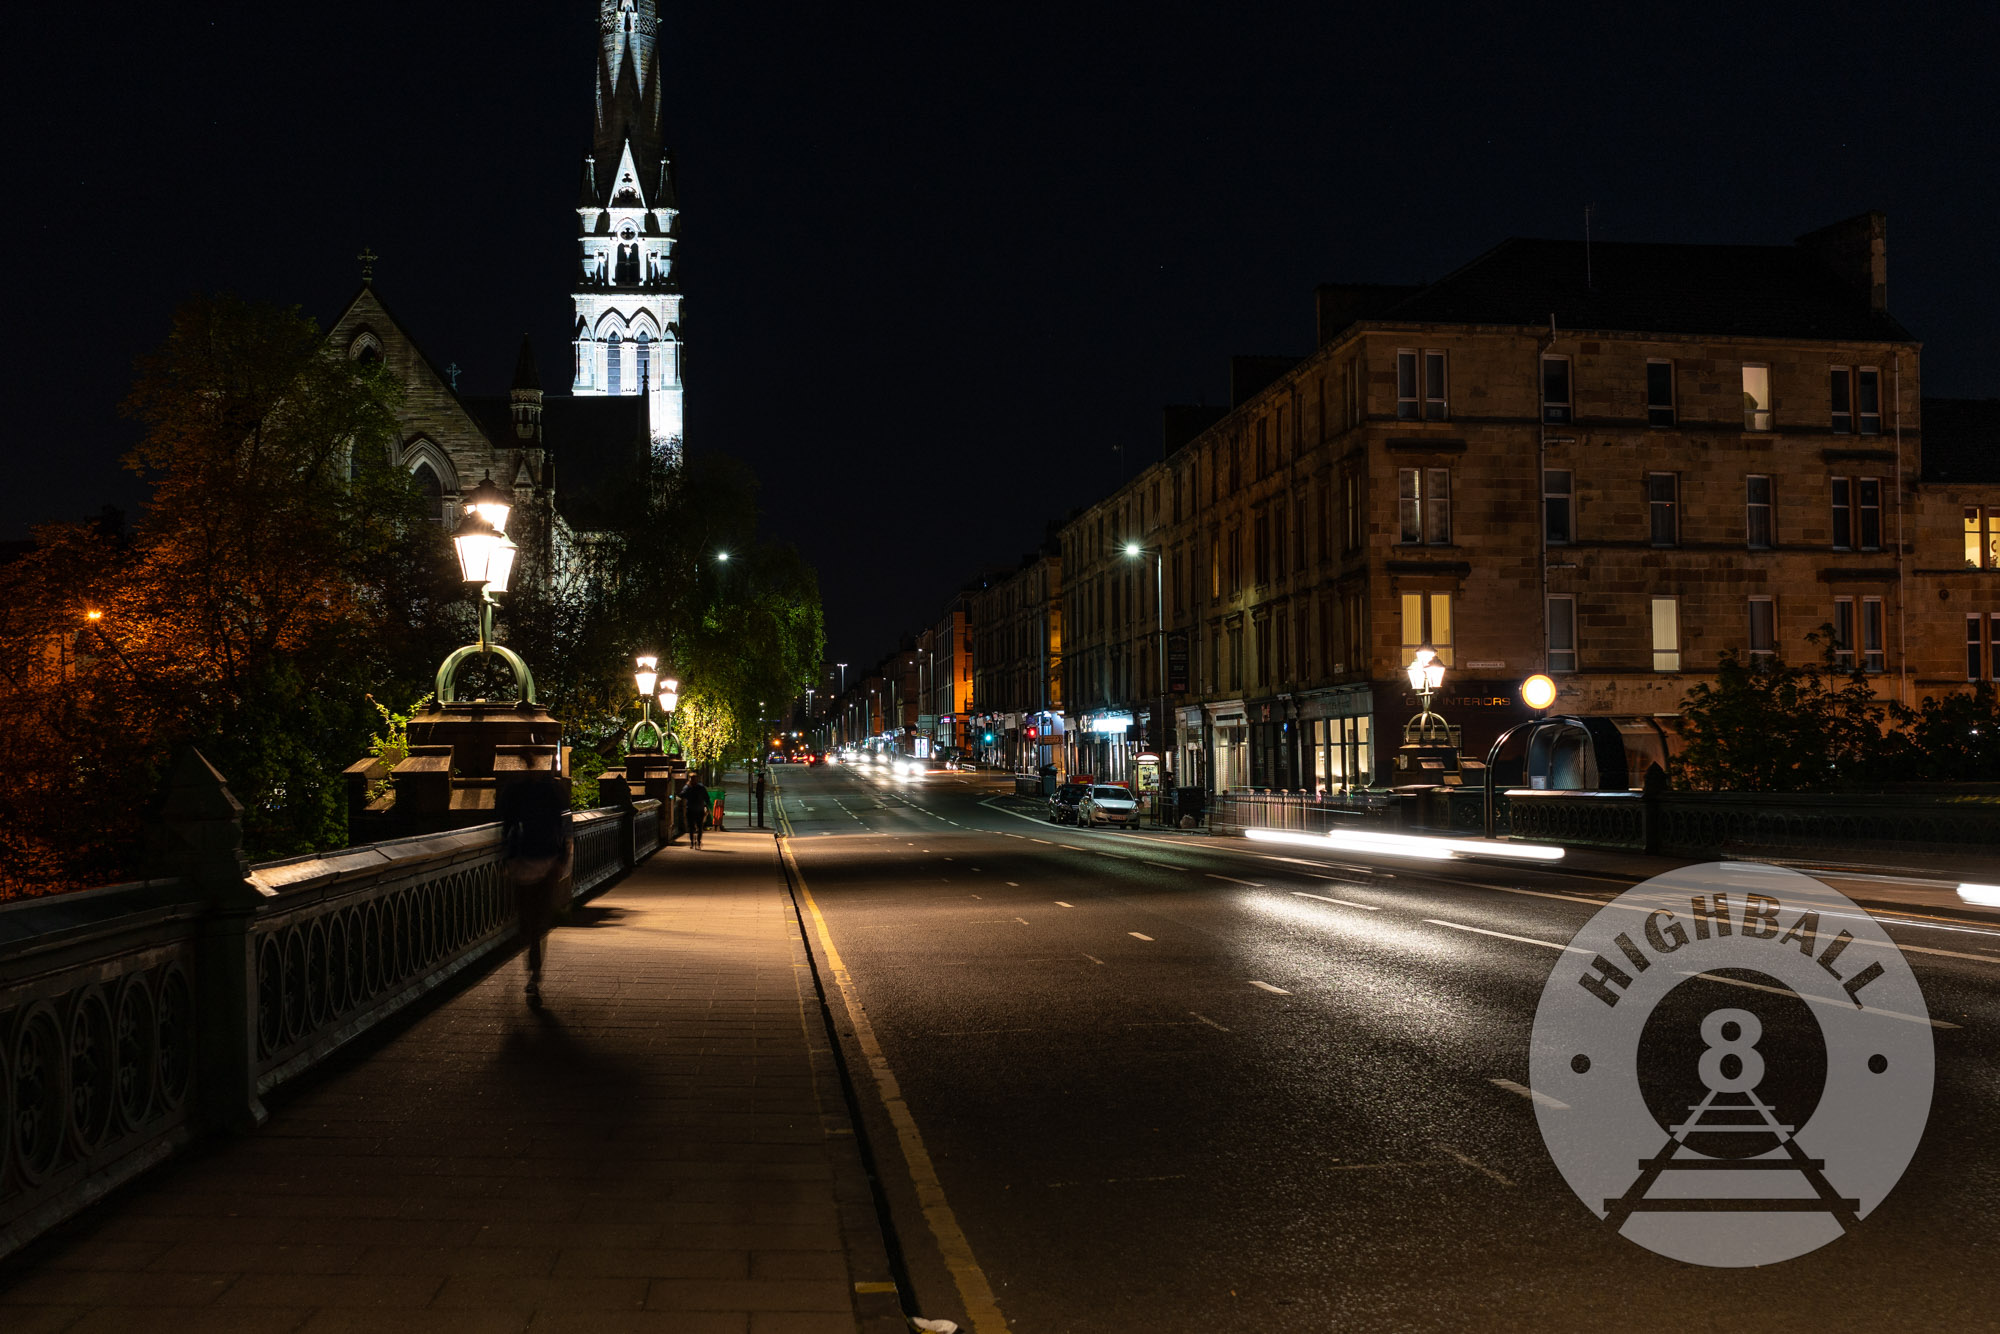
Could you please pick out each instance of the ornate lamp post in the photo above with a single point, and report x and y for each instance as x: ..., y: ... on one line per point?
x: 645, y: 678
x: 485, y: 562
x: 670, y: 700
x: 1426, y: 675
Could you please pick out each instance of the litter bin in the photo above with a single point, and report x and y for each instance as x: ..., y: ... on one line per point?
x: 1048, y: 775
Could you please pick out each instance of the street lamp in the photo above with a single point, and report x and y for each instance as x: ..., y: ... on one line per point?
x: 486, y: 562
x: 645, y: 678
x: 1426, y: 673
x: 1133, y: 551
x: 490, y: 503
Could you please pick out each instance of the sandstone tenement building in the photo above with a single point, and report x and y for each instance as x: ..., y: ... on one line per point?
x: 1612, y: 463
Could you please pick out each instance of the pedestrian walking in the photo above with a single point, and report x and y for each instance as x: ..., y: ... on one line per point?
x: 536, y: 852
x: 694, y: 808
x: 716, y: 794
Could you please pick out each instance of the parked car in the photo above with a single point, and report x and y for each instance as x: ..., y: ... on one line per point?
x: 1107, y: 803
x: 1063, y: 803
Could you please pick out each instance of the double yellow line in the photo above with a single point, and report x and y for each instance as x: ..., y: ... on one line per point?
x: 975, y: 1293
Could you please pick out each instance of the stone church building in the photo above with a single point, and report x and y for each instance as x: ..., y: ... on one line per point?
x: 562, y: 454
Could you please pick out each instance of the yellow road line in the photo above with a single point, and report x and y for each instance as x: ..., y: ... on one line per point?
x: 973, y: 1288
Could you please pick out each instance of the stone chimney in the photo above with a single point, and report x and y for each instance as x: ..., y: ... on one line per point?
x: 1857, y: 252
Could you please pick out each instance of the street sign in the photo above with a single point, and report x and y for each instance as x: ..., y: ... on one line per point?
x: 1177, y: 662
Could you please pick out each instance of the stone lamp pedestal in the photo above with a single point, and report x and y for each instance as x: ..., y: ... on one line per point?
x: 462, y: 754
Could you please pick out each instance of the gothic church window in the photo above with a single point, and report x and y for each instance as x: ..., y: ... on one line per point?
x: 433, y: 490
x: 614, y: 359
x: 645, y: 358
x: 628, y: 258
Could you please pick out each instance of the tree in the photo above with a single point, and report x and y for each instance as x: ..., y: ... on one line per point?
x: 282, y: 568
x: 736, y: 632
x: 1768, y: 726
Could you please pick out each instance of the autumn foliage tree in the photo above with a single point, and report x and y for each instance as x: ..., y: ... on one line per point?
x: 281, y: 569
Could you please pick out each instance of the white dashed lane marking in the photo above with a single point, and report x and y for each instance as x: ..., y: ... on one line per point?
x: 1266, y: 986
x: 1061, y: 904
x: 1234, y: 881
x: 1138, y: 935
x: 1365, y: 907
x: 1528, y: 1093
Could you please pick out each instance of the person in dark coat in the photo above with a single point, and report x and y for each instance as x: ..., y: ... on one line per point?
x: 694, y: 808
x: 535, y: 838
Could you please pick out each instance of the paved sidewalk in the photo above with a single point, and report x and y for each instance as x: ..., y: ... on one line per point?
x: 662, y: 1147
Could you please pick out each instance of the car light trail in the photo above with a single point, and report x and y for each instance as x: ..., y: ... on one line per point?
x: 1415, y: 845
x: 1986, y: 896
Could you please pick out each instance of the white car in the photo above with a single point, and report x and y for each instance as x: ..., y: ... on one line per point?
x: 1107, y: 803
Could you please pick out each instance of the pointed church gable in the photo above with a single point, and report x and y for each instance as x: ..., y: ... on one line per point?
x: 430, y: 412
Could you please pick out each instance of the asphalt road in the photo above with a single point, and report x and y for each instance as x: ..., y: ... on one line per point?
x: 1180, y: 1083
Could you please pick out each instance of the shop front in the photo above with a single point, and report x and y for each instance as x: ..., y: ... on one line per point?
x: 1229, y: 745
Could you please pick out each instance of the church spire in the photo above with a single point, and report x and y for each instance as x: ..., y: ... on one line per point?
x: 627, y: 328
x: 628, y: 82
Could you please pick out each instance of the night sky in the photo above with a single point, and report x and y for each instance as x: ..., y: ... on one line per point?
x: 940, y: 260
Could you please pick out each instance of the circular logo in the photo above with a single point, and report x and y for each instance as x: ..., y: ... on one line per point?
x: 1732, y: 1064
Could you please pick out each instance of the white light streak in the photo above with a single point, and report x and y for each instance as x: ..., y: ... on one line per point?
x: 1417, y: 845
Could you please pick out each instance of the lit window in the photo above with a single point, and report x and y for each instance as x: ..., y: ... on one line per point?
x: 1872, y: 658
x: 1562, y: 634
x: 1663, y: 504
x: 1757, y: 511
x: 1558, y: 506
x: 1763, y: 627
x: 1427, y: 624
x: 1756, y: 398
x: 1660, y: 393
x: 1666, y: 634
x: 1555, y: 390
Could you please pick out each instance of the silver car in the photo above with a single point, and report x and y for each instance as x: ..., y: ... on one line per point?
x: 1107, y: 803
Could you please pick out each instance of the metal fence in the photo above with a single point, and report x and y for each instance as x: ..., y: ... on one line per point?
x: 134, y: 1016
x: 1304, y: 812
x: 1701, y: 824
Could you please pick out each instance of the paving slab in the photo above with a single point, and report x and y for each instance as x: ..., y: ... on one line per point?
x: 662, y: 1145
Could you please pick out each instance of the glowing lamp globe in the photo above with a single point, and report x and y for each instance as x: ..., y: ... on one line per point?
x: 1420, y: 670
x: 670, y: 698
x: 500, y: 564
x: 1538, y: 692
x: 490, y: 503
x: 644, y: 680
x: 475, y: 542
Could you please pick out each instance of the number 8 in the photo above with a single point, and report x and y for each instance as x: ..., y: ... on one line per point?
x: 1750, y: 1063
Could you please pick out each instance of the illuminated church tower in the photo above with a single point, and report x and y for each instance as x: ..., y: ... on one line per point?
x: 628, y: 302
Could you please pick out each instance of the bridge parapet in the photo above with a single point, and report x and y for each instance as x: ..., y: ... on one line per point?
x: 136, y: 1016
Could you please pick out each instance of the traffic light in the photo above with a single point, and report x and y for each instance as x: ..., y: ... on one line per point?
x: 987, y: 738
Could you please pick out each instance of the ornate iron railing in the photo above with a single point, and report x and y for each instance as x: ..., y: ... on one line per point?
x: 1305, y: 812
x: 134, y: 1016
x: 1581, y: 819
